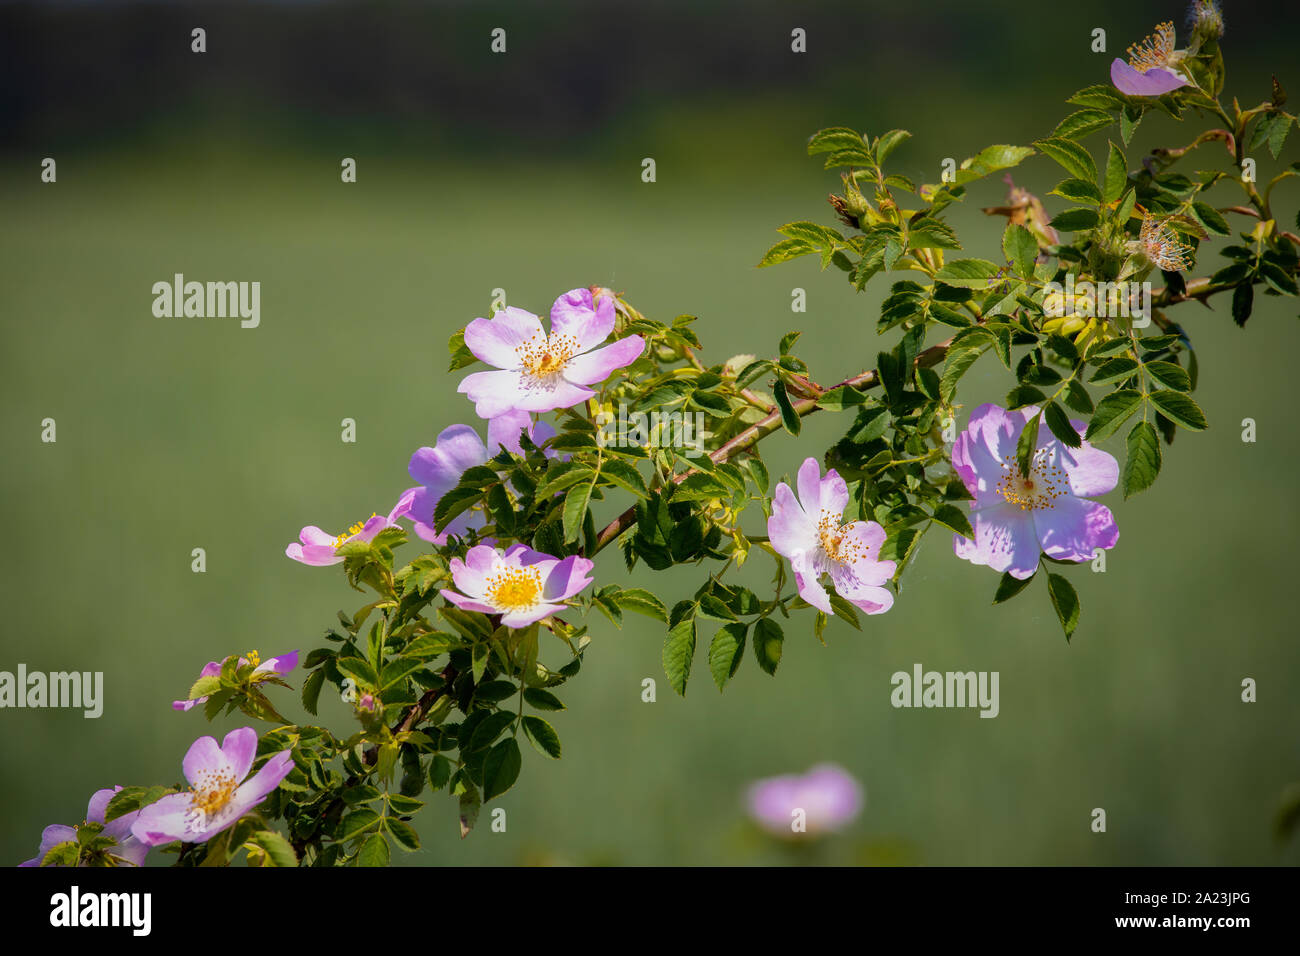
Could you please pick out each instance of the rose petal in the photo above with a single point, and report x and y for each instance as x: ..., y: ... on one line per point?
x: 240, y: 748
x: 496, y: 340
x: 1134, y: 82
x: 575, y: 314
x: 205, y: 757
x: 1005, y: 540
x: 494, y: 393
x: 597, y: 366
x: 1073, y: 529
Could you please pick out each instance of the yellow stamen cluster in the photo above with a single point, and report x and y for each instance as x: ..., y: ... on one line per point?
x: 253, y: 658
x: 544, y: 357
x: 514, y: 588
x: 1162, y: 246
x: 1047, y: 481
x: 834, y: 540
x: 1155, y: 51
x: 356, y: 529
x: 212, y: 791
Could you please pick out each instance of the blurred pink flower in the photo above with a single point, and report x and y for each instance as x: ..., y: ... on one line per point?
x: 828, y: 796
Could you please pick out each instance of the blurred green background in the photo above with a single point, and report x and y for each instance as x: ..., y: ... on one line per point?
x: 522, y: 172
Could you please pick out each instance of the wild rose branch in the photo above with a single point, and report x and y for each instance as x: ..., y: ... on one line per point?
x: 460, y: 654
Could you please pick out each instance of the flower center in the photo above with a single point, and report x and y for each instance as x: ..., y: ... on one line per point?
x: 1154, y: 52
x: 353, y: 531
x: 211, y: 792
x: 835, y: 544
x: 544, y: 357
x: 253, y: 658
x: 1162, y: 245
x: 1046, y: 482
x: 514, y: 588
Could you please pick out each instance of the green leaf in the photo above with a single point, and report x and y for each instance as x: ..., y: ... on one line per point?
x: 501, y: 768
x: 1143, y: 461
x: 713, y: 607
x: 845, y: 611
x: 358, y: 670
x: 785, y: 250
x: 1102, y: 96
x: 561, y: 476
x: 1116, y: 174
x: 700, y: 487
x: 1243, y: 300
x: 1078, y: 190
x: 279, y: 852
x: 1028, y: 443
x: 311, y: 688
x: 1076, y: 160
x: 1020, y: 248
x: 954, y: 519
x: 1278, y: 278
x: 642, y: 602
x: 1060, y: 425
x: 362, y: 793
x: 1114, y: 370
x: 439, y: 771
x: 768, y: 642
x: 542, y: 736
x: 396, y: 671
x: 789, y: 417
x: 841, y: 397
x: 205, y: 687
x: 1112, y: 412
x: 1128, y: 122
x: 726, y: 652
x: 453, y: 503
x: 889, y: 142
x: 1077, y: 219
x: 625, y: 476
x: 1079, y: 124
x: 678, y: 653
x: 62, y: 854
x: 132, y: 798
x: 1167, y: 373
x: 403, y: 833
x: 575, y: 509
x: 1064, y: 601
x: 1010, y: 586
x: 460, y: 354
x: 542, y: 699
x: 948, y: 316
x: 989, y: 160
x: 479, y: 655
x: 1076, y: 396
x: 834, y: 139
x: 374, y: 852
x: 931, y: 233
x: 967, y: 273
x: 488, y: 730
x: 959, y: 361
x: 1023, y: 395
x: 1180, y: 409
x: 1211, y: 219
x: 470, y: 805
x: 356, y: 823
x: 428, y: 646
